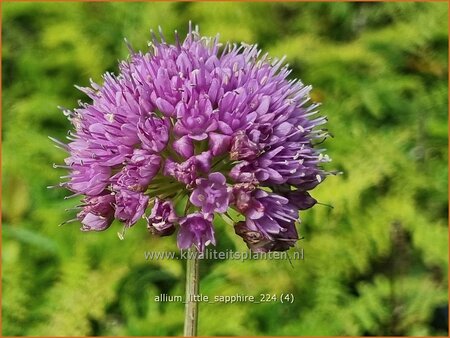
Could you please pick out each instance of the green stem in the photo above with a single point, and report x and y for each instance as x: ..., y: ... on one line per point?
x: 219, y: 160
x: 192, y: 285
x: 171, y: 188
x: 221, y: 166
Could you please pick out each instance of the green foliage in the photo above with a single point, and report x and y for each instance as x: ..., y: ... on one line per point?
x: 374, y: 264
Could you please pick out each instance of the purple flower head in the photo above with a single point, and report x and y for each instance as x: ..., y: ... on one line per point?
x: 153, y: 132
x: 138, y: 173
x: 196, y: 229
x: 130, y: 206
x: 203, y: 127
x: 162, y: 218
x: 212, y: 194
x: 98, y: 213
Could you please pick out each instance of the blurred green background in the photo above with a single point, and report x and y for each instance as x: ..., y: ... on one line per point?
x: 376, y: 264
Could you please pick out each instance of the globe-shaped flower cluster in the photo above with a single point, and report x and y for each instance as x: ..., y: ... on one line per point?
x: 193, y: 130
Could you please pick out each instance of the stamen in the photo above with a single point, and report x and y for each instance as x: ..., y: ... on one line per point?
x: 68, y: 221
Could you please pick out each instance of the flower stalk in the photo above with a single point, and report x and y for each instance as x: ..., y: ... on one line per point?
x: 192, y: 287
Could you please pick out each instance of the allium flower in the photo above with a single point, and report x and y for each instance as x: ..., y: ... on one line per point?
x: 161, y: 221
x: 130, y: 206
x: 211, y: 194
x: 270, y: 219
x: 196, y: 120
x: 153, y: 132
x: 98, y: 213
x: 196, y: 229
x: 87, y: 179
x: 220, y: 127
x: 138, y: 173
